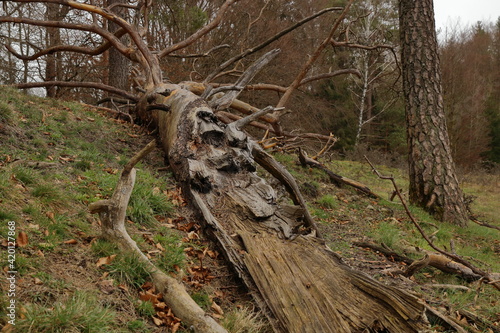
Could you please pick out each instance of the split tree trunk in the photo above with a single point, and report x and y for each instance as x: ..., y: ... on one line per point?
x: 299, y: 283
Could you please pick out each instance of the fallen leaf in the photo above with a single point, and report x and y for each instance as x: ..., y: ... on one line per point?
x: 175, y: 328
x: 37, y: 281
x: 148, y: 297
x: 8, y: 328
x: 71, y: 241
x: 217, y: 308
x: 160, y: 306
x: 106, y: 286
x: 22, y: 239
x: 50, y: 215
x: 157, y: 321
x: 105, y: 260
x: 123, y: 287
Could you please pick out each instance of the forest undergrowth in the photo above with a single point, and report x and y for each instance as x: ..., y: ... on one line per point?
x: 58, y: 157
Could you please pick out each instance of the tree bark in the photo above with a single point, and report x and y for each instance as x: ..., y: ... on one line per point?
x: 53, y: 66
x: 299, y: 283
x: 118, y: 64
x: 433, y: 181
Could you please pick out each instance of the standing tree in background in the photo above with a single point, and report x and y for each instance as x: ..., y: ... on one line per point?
x: 118, y: 64
x: 433, y: 181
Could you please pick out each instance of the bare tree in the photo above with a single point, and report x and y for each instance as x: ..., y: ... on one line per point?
x: 433, y: 181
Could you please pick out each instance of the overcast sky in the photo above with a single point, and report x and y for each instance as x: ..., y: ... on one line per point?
x: 465, y: 12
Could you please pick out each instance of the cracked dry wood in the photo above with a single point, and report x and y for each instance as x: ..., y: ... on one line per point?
x: 299, y: 283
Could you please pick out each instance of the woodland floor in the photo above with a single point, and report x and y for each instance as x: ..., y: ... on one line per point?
x: 65, y: 269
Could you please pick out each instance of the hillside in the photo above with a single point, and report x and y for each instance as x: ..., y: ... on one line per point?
x: 57, y: 157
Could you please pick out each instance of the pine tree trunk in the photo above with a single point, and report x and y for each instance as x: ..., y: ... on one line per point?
x: 53, y: 38
x: 118, y: 65
x: 433, y: 182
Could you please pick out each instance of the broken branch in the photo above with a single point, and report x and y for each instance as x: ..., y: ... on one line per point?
x: 487, y: 276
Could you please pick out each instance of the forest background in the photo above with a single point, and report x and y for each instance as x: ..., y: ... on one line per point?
x: 359, y: 100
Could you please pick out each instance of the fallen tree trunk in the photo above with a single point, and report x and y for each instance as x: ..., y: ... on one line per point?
x: 297, y: 281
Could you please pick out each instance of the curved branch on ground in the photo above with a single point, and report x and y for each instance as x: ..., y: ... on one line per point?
x: 247, y: 52
x: 200, y: 33
x: 94, y: 85
x: 488, y: 277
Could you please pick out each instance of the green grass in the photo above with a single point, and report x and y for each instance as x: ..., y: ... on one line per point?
x: 104, y: 248
x: 138, y: 326
x: 130, y: 270
x: 328, y: 201
x: 173, y: 257
x: 148, y: 200
x: 79, y: 313
x: 46, y: 192
x: 387, y: 233
x: 202, y: 299
x: 6, y: 114
x: 145, y: 309
x: 27, y: 176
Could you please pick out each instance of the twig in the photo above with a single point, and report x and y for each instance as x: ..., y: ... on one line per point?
x: 456, y: 258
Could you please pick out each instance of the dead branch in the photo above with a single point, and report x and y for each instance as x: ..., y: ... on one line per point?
x: 259, y: 47
x: 113, y: 39
x: 484, y: 224
x: 307, y: 66
x: 281, y: 89
x: 67, y: 48
x: 448, y: 286
x: 200, y: 33
x: 369, y: 48
x: 199, y: 55
x: 446, y: 319
x: 228, y: 98
x: 140, y: 53
x: 488, y: 277
x: 480, y: 322
x: 112, y: 213
x: 335, y: 178
x: 93, y: 85
x: 437, y: 261
x: 323, y: 76
x: 239, y: 124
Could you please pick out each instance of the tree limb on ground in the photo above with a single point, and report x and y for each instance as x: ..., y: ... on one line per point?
x: 112, y: 213
x: 437, y: 261
x: 335, y: 178
x: 490, y: 278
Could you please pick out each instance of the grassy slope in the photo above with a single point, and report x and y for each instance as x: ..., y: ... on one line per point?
x: 58, y: 278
